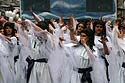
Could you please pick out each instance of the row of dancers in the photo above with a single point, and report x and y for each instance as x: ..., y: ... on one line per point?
x: 89, y: 51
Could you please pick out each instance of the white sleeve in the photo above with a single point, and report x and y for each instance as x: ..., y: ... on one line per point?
x: 14, y: 40
x: 114, y: 37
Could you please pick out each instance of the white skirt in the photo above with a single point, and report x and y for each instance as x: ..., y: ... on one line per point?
x: 6, y: 71
x: 40, y: 73
x: 99, y: 71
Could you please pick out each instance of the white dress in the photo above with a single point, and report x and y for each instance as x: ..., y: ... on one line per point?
x: 99, y: 68
x: 41, y: 49
x: 67, y: 66
x: 27, y: 39
x: 6, y: 62
x: 24, y: 52
x: 118, y: 57
x: 78, y: 58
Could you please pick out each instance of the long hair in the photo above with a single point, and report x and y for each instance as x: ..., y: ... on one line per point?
x: 90, y: 36
x: 80, y: 23
x: 43, y: 25
x: 103, y: 33
x: 11, y: 25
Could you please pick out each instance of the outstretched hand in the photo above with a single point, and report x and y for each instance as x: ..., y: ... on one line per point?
x: 70, y: 23
x: 102, y: 40
x: 121, y: 34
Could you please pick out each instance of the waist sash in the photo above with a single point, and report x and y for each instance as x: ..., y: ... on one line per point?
x: 31, y: 64
x: 86, y: 74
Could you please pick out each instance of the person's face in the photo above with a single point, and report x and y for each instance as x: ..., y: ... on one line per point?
x: 2, y: 31
x: 88, y: 25
x: 3, y: 20
x: 98, y: 29
x: 52, y: 20
x: 80, y: 28
x: 8, y: 30
x: 83, y: 37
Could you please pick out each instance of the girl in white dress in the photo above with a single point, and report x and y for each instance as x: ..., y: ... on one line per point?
x: 79, y: 60
x: 38, y: 69
x: 8, y: 43
x: 118, y: 39
x: 101, y: 49
x: 7, y: 74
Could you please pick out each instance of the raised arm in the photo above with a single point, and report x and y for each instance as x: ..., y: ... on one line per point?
x: 37, y: 19
x: 34, y: 25
x: 103, y: 41
x: 71, y: 28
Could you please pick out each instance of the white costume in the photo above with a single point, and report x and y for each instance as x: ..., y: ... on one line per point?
x: 6, y: 61
x: 38, y: 46
x: 99, y: 66
x: 41, y: 72
x: 117, y: 58
x: 77, y: 57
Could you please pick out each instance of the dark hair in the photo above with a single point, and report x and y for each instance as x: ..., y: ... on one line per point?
x: 122, y: 18
x: 43, y: 25
x: 100, y: 22
x: 1, y: 27
x: 80, y: 23
x: 11, y: 25
x: 49, y: 22
x: 87, y: 21
x: 90, y: 36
